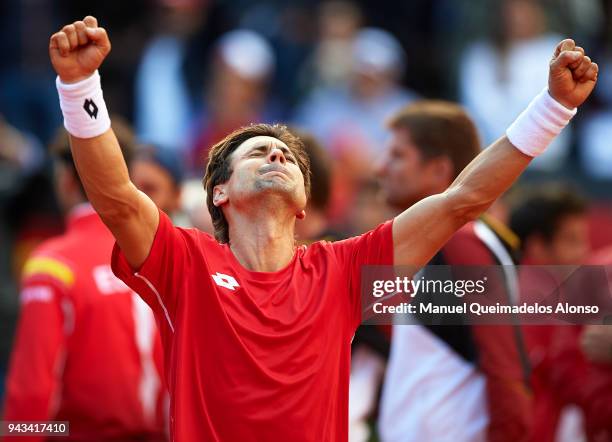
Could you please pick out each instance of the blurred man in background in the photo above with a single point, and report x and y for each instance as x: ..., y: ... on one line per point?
x: 572, y: 394
x: 349, y: 116
x: 553, y: 227
x: 162, y: 96
x: 444, y: 382
x: 158, y: 172
x: 316, y: 227
x: 87, y: 350
x: 596, y: 341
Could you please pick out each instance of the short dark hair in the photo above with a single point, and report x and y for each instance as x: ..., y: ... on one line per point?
x: 164, y: 158
x: 218, y: 169
x: 439, y: 128
x: 541, y: 212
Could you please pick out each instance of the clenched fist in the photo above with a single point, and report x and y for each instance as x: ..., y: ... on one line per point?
x: 78, y: 49
x: 572, y: 74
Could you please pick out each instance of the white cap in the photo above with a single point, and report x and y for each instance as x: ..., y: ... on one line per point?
x: 247, y: 52
x: 377, y: 51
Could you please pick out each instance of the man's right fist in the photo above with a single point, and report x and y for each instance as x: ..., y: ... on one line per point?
x: 78, y: 49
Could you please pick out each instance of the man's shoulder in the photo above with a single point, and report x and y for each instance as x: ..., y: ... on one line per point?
x: 58, y: 248
x: 196, y: 237
x: 316, y: 252
x: 52, y: 260
x: 196, y: 244
x: 465, y: 247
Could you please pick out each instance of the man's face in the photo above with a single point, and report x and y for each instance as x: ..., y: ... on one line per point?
x: 570, y: 244
x: 263, y: 165
x: 405, y: 176
x: 157, y: 183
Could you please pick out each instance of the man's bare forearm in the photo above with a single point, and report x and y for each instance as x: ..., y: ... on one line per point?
x: 486, y: 178
x: 422, y: 229
x: 104, y: 174
x: 129, y: 214
x: 572, y: 77
x: 76, y: 52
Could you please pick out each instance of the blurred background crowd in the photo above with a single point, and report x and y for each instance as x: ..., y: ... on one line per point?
x: 184, y: 73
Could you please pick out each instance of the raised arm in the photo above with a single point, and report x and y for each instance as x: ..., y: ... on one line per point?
x: 420, y: 231
x: 76, y: 53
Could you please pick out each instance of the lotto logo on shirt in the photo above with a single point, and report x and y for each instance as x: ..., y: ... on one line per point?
x: 107, y: 282
x: 229, y: 282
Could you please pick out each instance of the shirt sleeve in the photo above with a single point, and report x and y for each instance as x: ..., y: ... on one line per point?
x: 372, y: 248
x: 35, y: 369
x: 161, y: 277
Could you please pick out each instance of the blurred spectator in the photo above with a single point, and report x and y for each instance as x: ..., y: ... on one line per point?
x: 368, y: 208
x: 315, y: 226
x: 22, y: 186
x: 193, y: 197
x: 236, y: 93
x: 19, y: 150
x: 596, y: 343
x: 291, y: 29
x: 174, y: 59
x: 349, y: 118
x: 553, y: 227
x: 469, y: 380
x: 27, y: 212
x: 163, y: 107
x: 158, y: 173
x: 27, y: 95
x: 572, y: 395
x: 331, y: 63
x: 87, y: 349
x: 499, y: 77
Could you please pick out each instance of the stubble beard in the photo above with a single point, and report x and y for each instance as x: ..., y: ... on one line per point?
x: 275, y: 187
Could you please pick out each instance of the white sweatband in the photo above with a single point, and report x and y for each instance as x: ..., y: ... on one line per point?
x: 82, y: 103
x: 539, y: 124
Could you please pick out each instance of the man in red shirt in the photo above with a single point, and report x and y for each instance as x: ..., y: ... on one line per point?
x: 256, y: 330
x: 86, y: 349
x: 553, y: 226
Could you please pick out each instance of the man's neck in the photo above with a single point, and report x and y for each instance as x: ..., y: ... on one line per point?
x: 264, y: 243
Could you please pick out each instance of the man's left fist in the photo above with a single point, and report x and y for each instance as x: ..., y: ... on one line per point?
x: 572, y: 75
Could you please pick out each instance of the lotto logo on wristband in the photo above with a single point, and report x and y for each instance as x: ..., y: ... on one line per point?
x: 91, y: 108
x: 85, y: 95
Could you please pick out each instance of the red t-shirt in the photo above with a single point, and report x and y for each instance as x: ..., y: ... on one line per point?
x: 253, y: 356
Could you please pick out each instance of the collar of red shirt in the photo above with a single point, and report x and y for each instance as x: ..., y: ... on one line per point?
x: 79, y: 212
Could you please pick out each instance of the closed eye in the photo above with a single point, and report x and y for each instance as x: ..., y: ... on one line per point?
x: 258, y: 151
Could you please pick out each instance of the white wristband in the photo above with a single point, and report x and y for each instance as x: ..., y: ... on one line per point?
x: 82, y: 103
x: 539, y: 124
